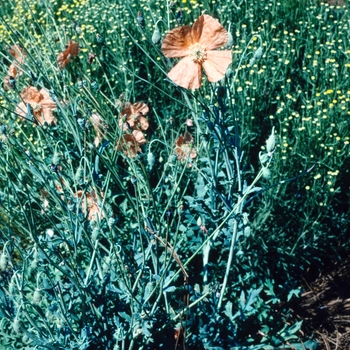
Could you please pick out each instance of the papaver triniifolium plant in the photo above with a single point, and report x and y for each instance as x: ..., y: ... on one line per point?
x: 122, y: 230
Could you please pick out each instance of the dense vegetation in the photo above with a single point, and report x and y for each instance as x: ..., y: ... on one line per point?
x: 139, y: 214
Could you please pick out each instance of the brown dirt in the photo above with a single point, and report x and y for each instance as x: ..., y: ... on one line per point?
x: 325, y: 307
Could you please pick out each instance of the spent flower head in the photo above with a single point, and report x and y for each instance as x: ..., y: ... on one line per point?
x: 70, y: 52
x: 39, y: 102
x: 133, y: 116
x: 184, y: 149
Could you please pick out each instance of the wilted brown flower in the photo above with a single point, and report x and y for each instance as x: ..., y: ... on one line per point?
x: 91, y: 203
x: 19, y: 55
x: 70, y: 52
x: 40, y: 103
x: 196, y: 45
x: 133, y: 116
x: 184, y: 148
x: 130, y: 143
x: 99, y: 126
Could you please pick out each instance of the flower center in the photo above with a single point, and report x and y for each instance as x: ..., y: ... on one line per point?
x: 197, y: 53
x: 36, y: 107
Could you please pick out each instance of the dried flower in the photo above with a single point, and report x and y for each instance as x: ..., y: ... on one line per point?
x: 130, y: 143
x: 196, y: 44
x: 70, y: 52
x: 99, y: 126
x: 133, y: 116
x: 19, y: 55
x: 40, y: 103
x: 90, y: 202
x: 184, y: 148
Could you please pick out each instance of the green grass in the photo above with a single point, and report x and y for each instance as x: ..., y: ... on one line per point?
x: 207, y: 255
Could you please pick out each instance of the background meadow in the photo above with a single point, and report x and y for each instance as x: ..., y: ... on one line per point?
x: 109, y: 243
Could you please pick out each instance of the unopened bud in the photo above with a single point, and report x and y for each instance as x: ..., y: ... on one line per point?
x: 150, y: 160
x: 16, y: 325
x: 258, y: 53
x: 266, y: 173
x: 271, y: 143
x: 95, y: 233
x: 3, y: 261
x: 156, y: 36
x: 229, y: 41
x: 37, y: 296
x: 56, y: 158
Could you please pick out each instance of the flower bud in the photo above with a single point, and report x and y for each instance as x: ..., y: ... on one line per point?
x: 37, y: 296
x: 56, y: 158
x: 251, y: 62
x: 150, y: 160
x: 95, y: 233
x: 156, y: 36
x: 266, y: 173
x: 3, y: 261
x: 271, y: 143
x: 258, y: 53
x: 111, y: 222
x: 229, y: 41
x: 16, y: 325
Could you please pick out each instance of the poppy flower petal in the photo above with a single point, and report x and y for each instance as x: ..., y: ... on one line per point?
x: 187, y: 74
x: 18, y: 53
x: 140, y: 107
x: 143, y: 123
x: 31, y: 95
x: 21, y: 109
x: 177, y: 41
x: 216, y: 64
x: 139, y: 137
x: 127, y: 110
x: 209, y: 32
x: 46, y: 101
x: 47, y: 116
